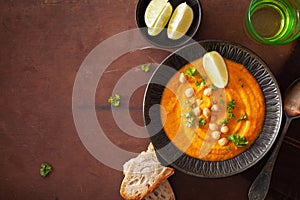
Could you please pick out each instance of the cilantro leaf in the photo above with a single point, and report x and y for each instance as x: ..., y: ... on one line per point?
x: 202, y: 122
x: 201, y: 84
x: 45, y: 169
x: 230, y: 115
x: 239, y: 141
x: 222, y: 101
x: 145, y: 68
x: 191, y: 71
x: 114, y: 100
x: 224, y: 122
x: 231, y: 105
x: 243, y: 118
x: 213, y: 87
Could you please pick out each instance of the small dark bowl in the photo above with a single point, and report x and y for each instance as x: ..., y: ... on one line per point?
x: 162, y: 40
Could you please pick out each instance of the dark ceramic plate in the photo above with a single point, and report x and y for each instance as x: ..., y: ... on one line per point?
x: 168, y: 154
x: 162, y: 40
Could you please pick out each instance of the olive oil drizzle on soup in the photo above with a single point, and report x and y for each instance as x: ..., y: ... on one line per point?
x: 209, y: 123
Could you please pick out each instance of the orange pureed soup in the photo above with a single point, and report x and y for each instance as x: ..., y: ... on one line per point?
x: 210, y: 123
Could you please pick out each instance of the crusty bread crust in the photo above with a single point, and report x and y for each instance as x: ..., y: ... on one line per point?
x: 163, y: 192
x: 150, y: 148
x: 143, y: 175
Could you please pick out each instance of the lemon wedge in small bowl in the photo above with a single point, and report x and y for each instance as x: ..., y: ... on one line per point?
x: 161, y: 21
x: 180, y: 21
x: 153, y: 11
x: 144, y: 21
x: 216, y: 69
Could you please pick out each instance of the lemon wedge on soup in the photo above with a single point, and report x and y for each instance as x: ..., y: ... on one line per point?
x: 161, y: 21
x: 216, y: 69
x: 180, y: 21
x: 153, y: 11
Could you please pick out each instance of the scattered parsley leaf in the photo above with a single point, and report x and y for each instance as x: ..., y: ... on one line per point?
x: 224, y: 122
x: 222, y: 101
x: 213, y: 87
x: 243, y: 118
x: 145, y: 68
x: 231, y: 115
x: 243, y: 85
x: 201, y: 84
x: 231, y: 105
x: 239, y: 141
x: 45, y: 169
x: 202, y: 122
x: 228, y: 149
x: 190, y: 121
x: 189, y: 114
x: 191, y: 71
x: 115, y: 101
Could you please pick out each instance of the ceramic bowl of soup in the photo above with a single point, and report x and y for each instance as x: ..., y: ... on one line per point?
x: 207, y: 131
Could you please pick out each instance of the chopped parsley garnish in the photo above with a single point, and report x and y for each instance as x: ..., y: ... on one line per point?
x: 239, y: 141
x: 222, y: 101
x: 189, y: 114
x: 231, y: 115
x: 145, y: 68
x: 231, y: 105
x: 45, y: 169
x: 213, y: 87
x: 190, y: 121
x: 115, y: 101
x: 191, y: 71
x: 202, y: 122
x: 224, y: 121
x: 228, y: 149
x: 201, y: 83
x: 243, y: 118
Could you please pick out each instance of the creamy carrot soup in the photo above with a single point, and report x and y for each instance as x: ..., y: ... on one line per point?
x: 210, y: 123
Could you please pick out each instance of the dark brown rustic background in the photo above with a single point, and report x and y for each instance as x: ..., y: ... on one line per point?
x: 44, y: 42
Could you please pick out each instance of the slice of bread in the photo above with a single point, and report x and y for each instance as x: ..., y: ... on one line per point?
x: 163, y: 192
x: 143, y: 175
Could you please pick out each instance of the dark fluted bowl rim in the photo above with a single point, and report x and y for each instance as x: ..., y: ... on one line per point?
x: 273, y: 114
